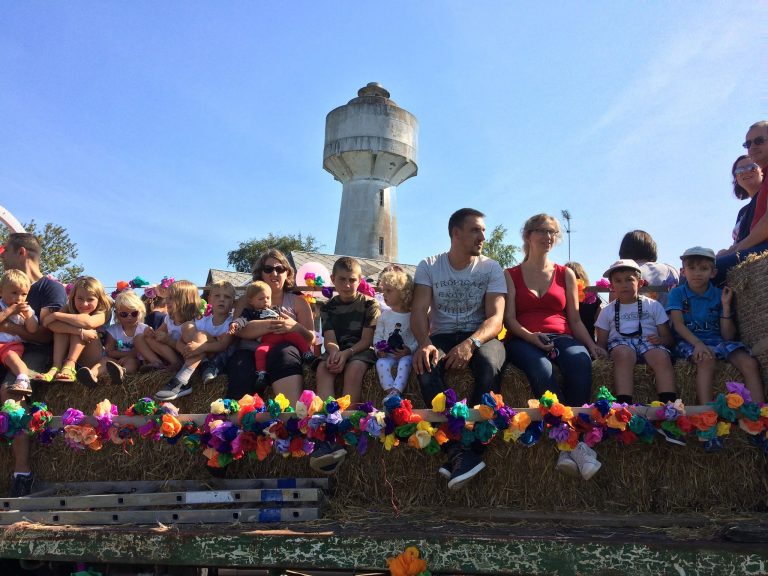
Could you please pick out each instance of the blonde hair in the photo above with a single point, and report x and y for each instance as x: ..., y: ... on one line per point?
x: 94, y: 288
x: 223, y: 286
x: 186, y: 300
x: 257, y: 287
x: 130, y: 300
x: 400, y: 281
x: 578, y: 269
x: 535, y: 222
x: 15, y: 278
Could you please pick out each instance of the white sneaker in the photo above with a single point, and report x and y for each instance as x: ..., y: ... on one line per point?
x: 586, y: 460
x: 567, y: 465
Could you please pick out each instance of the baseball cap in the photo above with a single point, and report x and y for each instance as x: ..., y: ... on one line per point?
x: 623, y: 263
x: 699, y: 251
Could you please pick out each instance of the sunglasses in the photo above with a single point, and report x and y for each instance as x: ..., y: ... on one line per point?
x: 743, y: 169
x: 759, y: 141
x: 134, y: 314
x: 267, y: 269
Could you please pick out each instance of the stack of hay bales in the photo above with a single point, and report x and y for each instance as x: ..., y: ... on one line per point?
x: 659, y: 478
x: 750, y: 285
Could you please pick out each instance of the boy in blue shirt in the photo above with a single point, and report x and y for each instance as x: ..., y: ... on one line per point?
x: 703, y: 318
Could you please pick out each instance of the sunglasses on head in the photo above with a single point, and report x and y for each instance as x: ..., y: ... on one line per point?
x: 132, y: 314
x: 267, y: 269
x: 759, y: 141
x: 743, y: 169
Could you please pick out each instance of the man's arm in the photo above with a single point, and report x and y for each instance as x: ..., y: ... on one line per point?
x: 426, y: 354
x: 460, y: 355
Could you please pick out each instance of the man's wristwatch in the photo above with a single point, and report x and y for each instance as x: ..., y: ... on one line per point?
x: 475, y: 343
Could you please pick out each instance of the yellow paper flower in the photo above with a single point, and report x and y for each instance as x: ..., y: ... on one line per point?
x: 282, y: 401
x: 217, y: 407
x: 344, y: 402
x: 551, y: 396
x: 316, y: 406
x: 390, y: 441
x: 764, y: 411
x: 438, y: 403
x: 723, y: 428
x: 512, y: 434
x: 103, y: 408
x: 425, y: 426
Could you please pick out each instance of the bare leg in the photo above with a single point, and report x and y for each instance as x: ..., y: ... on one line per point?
x: 290, y: 387
x: 354, y: 372
x: 661, y: 364
x: 705, y: 374
x: 15, y: 364
x: 624, y: 360
x: 325, y: 381
x: 142, y: 347
x: 749, y: 368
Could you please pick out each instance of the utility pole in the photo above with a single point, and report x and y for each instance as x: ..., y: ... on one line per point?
x: 567, y: 217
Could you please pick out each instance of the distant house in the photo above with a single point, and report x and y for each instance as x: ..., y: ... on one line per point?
x: 371, y: 269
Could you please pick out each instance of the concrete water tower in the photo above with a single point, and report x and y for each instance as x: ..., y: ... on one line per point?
x: 370, y: 147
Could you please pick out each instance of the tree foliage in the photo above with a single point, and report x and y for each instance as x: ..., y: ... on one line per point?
x: 58, y: 250
x: 246, y: 254
x: 496, y: 248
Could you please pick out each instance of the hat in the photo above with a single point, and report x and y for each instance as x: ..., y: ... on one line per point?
x: 698, y: 251
x: 623, y: 263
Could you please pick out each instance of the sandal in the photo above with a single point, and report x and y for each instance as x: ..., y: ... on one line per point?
x: 45, y: 376
x: 116, y: 372
x: 21, y: 386
x: 85, y: 377
x: 66, y: 374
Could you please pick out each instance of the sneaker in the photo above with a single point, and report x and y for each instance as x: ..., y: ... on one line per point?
x: 669, y: 437
x: 85, y: 376
x: 586, y: 459
x: 209, y: 372
x: 713, y: 445
x: 173, y: 390
x: 466, y: 464
x: 567, y: 465
x: 326, y: 457
x: 21, y: 485
x: 445, y: 470
x: 116, y: 372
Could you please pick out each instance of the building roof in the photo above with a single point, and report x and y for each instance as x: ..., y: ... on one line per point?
x: 371, y: 268
x: 235, y: 278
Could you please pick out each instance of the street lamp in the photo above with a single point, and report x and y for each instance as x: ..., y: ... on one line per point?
x: 567, y: 217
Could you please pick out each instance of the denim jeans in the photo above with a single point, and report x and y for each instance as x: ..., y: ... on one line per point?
x: 486, y: 364
x: 725, y: 263
x: 571, y: 357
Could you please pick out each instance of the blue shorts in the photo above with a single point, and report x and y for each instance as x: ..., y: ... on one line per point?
x: 720, y: 348
x: 639, y: 345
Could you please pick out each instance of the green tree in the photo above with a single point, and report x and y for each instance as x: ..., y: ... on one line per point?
x: 58, y: 250
x: 494, y: 247
x: 246, y: 254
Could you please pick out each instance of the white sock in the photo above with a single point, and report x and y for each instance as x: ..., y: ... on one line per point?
x: 184, y: 374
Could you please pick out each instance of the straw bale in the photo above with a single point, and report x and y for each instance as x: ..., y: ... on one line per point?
x: 659, y: 478
x: 749, y: 281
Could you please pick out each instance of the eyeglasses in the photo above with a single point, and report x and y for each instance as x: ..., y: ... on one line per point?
x: 759, y: 141
x: 748, y: 168
x: 546, y: 232
x: 267, y: 269
x: 133, y: 314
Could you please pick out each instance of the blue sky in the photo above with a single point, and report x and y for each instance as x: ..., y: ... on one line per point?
x: 163, y: 134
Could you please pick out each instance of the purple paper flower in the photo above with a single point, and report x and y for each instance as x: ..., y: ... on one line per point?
x: 560, y: 433
x: 72, y: 416
x: 740, y: 389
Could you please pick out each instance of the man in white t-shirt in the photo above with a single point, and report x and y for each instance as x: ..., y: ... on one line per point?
x: 456, y: 315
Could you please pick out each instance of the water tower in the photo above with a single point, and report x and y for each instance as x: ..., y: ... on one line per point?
x: 370, y: 147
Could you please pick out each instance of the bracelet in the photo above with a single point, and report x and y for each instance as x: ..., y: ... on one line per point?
x: 727, y: 317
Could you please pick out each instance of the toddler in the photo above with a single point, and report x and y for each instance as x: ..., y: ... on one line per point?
x: 394, y: 340
x: 74, y: 327
x: 216, y: 328
x: 121, y: 355
x: 14, y: 287
x: 259, y: 297
x: 702, y: 317
x: 635, y: 326
x: 349, y: 320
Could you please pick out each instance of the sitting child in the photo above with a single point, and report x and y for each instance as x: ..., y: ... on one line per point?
x: 216, y: 328
x: 702, y: 317
x: 259, y: 296
x: 635, y: 326
x: 14, y: 287
x: 394, y: 340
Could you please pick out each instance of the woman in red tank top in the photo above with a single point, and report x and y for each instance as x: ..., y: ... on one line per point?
x: 544, y: 327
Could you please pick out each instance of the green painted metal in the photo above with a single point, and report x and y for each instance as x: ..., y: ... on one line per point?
x: 456, y: 554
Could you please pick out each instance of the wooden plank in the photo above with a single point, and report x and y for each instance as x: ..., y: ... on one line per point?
x: 133, y: 486
x: 271, y: 495
x: 192, y: 516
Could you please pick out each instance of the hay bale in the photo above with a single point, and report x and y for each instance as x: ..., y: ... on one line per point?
x: 659, y: 478
x: 748, y: 281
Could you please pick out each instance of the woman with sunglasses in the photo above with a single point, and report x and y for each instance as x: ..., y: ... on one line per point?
x: 544, y: 328
x: 747, y: 179
x: 284, y: 361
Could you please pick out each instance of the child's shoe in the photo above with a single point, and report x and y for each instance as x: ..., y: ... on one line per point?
x: 586, y: 459
x: 466, y: 465
x: 567, y: 465
x: 173, y: 390
x: 327, y: 457
x: 210, y: 371
x: 85, y: 376
x: 21, y: 484
x: 713, y: 445
x: 21, y: 385
x: 671, y: 438
x: 116, y: 372
x: 391, y: 392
